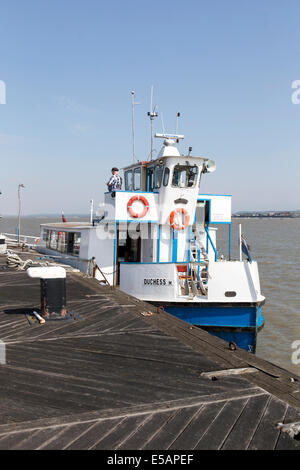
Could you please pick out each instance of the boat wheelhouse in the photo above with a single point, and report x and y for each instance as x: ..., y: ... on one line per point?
x: 157, y: 241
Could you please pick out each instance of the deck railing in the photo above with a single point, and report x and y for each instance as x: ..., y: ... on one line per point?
x: 12, y: 239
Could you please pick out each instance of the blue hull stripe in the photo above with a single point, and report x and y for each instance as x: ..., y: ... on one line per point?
x: 239, y: 324
x: 219, y: 316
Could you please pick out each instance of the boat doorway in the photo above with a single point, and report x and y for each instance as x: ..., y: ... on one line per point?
x: 202, y: 214
x: 128, y: 248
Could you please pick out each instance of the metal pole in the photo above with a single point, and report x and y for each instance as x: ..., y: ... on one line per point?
x: 151, y: 139
x: 132, y: 104
x: 19, y: 214
x: 19, y: 211
x: 240, y: 241
x: 229, y: 243
x: 152, y: 114
x: 91, y: 210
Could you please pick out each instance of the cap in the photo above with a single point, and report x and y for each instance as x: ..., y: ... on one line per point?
x: 115, y: 169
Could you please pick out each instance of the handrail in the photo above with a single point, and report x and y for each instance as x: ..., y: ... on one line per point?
x: 163, y: 262
x: 21, y: 236
x: 29, y: 240
x: 211, y: 242
x: 197, y: 246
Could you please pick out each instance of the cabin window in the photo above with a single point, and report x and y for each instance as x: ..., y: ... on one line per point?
x: 150, y: 179
x: 184, y: 176
x: 158, y: 174
x: 137, y: 179
x: 166, y: 177
x: 76, y: 243
x: 45, y: 234
x: 128, y: 180
x: 64, y: 242
x: 52, y: 241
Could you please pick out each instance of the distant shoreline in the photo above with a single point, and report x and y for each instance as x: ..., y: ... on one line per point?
x: 267, y: 215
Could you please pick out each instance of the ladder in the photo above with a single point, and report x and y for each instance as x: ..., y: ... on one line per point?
x: 199, y: 271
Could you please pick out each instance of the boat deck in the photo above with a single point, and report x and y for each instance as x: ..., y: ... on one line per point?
x: 126, y: 376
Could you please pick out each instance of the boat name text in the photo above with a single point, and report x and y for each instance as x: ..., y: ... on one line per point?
x: 157, y: 282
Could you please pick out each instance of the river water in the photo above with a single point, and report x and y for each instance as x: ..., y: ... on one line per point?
x: 275, y: 245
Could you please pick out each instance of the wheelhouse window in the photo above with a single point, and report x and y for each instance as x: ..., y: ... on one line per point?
x: 137, y: 179
x: 184, y: 176
x: 166, y: 177
x: 150, y: 179
x: 128, y: 180
x: 158, y: 174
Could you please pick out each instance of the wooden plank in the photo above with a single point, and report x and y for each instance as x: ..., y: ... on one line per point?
x: 197, y: 427
x: 12, y: 440
x: 96, y: 431
x: 285, y: 442
x: 227, y: 372
x: 33, y: 439
x: 266, y: 434
x: 144, y: 433
x: 246, y: 425
x: 117, y: 435
x: 219, y: 428
x: 171, y: 429
x: 63, y: 436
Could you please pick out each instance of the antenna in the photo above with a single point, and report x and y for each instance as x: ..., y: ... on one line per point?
x: 152, y: 114
x: 177, y: 117
x: 162, y: 123
x: 133, y: 103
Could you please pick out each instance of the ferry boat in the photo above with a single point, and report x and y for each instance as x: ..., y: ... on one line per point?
x: 157, y: 240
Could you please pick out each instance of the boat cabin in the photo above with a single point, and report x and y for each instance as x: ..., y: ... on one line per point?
x: 159, y: 218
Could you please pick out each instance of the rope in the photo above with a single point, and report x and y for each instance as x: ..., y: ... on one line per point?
x: 14, y: 261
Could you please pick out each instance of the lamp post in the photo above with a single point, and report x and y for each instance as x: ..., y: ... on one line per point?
x: 19, y: 214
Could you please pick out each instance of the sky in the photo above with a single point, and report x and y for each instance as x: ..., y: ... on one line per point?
x: 69, y: 67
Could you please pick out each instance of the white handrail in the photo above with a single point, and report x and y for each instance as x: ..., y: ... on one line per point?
x: 23, y: 238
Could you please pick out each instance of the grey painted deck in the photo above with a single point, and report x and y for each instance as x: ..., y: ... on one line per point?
x: 120, y: 379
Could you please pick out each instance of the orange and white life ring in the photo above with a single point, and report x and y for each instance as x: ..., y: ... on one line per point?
x: 179, y: 210
x: 137, y: 215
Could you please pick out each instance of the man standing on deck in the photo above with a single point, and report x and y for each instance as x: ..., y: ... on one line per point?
x: 115, y: 182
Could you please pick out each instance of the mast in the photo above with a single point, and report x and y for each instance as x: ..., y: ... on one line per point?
x: 133, y: 103
x: 152, y: 114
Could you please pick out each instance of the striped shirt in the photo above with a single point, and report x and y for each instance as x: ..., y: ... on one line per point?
x: 115, y: 183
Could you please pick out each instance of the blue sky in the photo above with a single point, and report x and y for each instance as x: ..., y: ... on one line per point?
x: 69, y: 67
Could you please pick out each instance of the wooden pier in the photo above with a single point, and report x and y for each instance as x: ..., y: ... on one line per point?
x: 125, y: 375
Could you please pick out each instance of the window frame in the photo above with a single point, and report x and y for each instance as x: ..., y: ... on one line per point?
x: 186, y: 167
x: 161, y: 169
x: 137, y: 170
x: 167, y: 169
x: 126, y: 174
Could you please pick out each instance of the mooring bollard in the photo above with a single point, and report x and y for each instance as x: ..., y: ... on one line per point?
x: 53, y: 290
x: 3, y: 246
